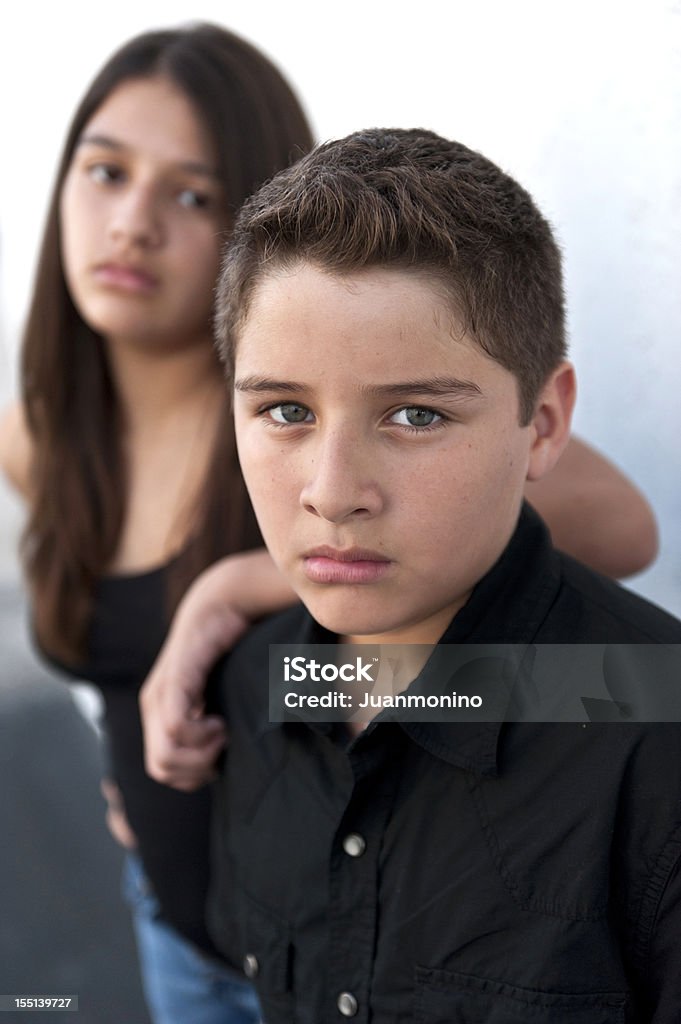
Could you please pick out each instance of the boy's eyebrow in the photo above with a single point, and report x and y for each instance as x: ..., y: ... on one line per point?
x: 436, y: 386
x: 108, y: 142
x: 255, y: 383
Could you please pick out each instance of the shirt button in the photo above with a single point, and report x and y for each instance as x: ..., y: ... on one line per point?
x: 251, y: 966
x: 347, y: 1004
x: 354, y: 844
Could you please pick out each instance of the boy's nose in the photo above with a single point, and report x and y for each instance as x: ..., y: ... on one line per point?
x: 341, y: 483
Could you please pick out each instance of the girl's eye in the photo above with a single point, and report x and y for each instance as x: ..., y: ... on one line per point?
x: 289, y: 412
x: 192, y: 199
x: 415, y: 416
x: 105, y: 174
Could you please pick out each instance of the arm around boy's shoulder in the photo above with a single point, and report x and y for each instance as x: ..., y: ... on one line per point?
x: 16, y: 447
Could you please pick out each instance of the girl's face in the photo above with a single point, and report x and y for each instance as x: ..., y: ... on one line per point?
x: 141, y: 214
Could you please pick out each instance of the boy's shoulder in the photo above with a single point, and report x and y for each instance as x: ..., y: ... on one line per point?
x: 246, y: 669
x: 280, y: 628
x: 591, y: 608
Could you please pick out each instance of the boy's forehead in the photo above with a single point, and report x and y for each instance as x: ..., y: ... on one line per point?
x: 377, y: 293
x: 372, y: 331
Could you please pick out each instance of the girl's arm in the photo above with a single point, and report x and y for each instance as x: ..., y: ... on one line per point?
x: 593, y: 511
x: 116, y: 818
x: 15, y: 448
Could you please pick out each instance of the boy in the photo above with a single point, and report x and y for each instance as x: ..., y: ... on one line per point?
x: 391, y: 311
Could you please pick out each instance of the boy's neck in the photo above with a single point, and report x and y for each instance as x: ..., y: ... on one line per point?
x: 398, y: 670
x: 427, y: 631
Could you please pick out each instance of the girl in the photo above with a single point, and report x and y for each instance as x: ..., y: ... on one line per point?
x: 122, y: 445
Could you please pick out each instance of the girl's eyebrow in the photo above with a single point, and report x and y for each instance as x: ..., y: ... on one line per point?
x: 441, y: 387
x: 108, y: 142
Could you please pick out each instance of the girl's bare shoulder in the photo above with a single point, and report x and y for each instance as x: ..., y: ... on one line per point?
x: 16, y: 447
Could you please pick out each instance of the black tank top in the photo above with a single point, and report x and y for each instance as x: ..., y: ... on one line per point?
x: 172, y: 828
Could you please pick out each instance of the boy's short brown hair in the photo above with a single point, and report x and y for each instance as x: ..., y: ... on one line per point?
x: 411, y: 200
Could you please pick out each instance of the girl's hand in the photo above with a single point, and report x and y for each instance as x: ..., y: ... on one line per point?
x: 116, y: 818
x: 181, y: 742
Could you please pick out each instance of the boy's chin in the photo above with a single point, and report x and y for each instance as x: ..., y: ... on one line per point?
x: 351, y: 620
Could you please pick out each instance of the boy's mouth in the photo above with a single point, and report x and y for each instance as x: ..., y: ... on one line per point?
x: 348, y: 565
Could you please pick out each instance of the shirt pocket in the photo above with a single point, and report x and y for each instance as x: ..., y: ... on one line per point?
x: 447, y: 997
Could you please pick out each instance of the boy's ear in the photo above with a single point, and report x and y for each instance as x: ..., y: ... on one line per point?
x: 551, y: 421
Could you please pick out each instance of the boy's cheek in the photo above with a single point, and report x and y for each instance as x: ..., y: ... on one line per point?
x: 268, y: 473
x: 272, y: 489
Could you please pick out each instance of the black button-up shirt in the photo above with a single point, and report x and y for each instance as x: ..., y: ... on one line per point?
x: 457, y: 872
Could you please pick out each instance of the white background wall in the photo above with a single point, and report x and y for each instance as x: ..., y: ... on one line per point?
x: 582, y: 103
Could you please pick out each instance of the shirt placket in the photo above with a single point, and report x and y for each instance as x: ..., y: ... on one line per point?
x: 354, y: 879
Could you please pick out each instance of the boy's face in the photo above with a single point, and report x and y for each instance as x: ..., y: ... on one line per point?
x: 381, y: 448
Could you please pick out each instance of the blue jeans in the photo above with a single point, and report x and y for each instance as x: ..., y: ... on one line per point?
x: 182, y: 985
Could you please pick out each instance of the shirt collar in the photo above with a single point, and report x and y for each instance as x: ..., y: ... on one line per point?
x: 510, y: 602
x: 507, y: 606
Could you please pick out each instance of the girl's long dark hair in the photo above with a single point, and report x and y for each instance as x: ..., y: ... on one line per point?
x: 79, y: 480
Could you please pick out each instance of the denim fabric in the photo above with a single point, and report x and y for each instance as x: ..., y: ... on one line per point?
x: 181, y: 984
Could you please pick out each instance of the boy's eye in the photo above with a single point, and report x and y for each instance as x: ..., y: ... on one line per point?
x: 192, y: 199
x: 105, y: 174
x: 289, y: 412
x: 415, y: 416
